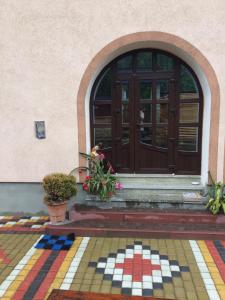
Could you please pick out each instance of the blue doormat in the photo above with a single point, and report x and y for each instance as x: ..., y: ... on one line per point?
x: 56, y: 242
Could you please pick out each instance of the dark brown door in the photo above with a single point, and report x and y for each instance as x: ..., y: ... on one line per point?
x: 149, y: 118
x: 153, y: 103
x: 143, y: 125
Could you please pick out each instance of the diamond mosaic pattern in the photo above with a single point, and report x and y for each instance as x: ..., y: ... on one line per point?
x: 138, y: 269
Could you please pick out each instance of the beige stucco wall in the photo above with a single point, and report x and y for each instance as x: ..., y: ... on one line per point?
x: 45, y: 48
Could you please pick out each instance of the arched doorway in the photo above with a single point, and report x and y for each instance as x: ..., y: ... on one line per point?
x: 146, y: 108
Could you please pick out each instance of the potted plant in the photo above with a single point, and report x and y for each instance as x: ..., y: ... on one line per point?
x: 101, y: 181
x: 59, y: 189
x: 216, y: 201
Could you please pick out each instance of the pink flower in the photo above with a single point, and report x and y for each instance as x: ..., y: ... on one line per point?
x: 119, y: 186
x: 101, y: 156
x: 85, y: 187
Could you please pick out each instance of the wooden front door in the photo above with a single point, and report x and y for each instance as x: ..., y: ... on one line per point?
x: 150, y: 122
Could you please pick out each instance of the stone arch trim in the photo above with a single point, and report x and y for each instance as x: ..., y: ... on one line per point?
x: 153, y: 36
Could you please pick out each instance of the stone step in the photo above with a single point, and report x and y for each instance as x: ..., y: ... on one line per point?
x: 161, y: 193
x: 160, y: 187
x: 159, y: 179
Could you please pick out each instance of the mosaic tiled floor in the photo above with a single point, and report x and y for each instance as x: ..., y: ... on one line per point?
x: 173, y: 269
x: 27, y: 222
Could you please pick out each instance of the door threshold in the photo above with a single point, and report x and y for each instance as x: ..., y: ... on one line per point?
x: 156, y: 175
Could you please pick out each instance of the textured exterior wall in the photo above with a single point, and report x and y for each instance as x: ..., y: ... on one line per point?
x: 45, y: 48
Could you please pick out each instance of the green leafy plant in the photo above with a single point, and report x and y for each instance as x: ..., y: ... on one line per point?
x: 99, y: 182
x: 216, y: 194
x: 59, y: 187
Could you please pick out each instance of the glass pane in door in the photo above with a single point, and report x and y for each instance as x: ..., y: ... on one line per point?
x: 188, y: 139
x: 162, y: 113
x: 125, y: 135
x: 102, y: 114
x: 164, y: 62
x: 104, y: 90
x: 189, y: 112
x: 125, y: 102
x: 188, y: 85
x: 146, y: 135
x: 125, y: 91
x: 125, y: 63
x: 125, y: 113
x: 145, y: 113
x: 161, y: 137
x: 103, y: 135
x: 162, y: 90
x: 145, y: 90
x: 144, y: 61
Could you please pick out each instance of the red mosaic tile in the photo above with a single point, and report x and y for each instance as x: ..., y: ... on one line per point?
x: 3, y: 257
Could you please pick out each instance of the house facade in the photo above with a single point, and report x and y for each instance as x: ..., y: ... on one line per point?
x: 145, y: 78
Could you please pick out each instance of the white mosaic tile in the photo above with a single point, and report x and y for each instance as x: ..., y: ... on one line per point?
x: 147, y: 278
x: 155, y: 257
x: 118, y: 277
x: 111, y: 260
x: 157, y: 279
x: 109, y: 271
x: 11, y: 223
x: 136, y: 292
x: 65, y: 286
x: 120, y: 260
x: 101, y: 265
x: 126, y: 284
x: 156, y: 273
x: 129, y: 255
x: 136, y: 285
x: 137, y: 251
x: 118, y: 271
x: 127, y: 277
x: 175, y: 268
x: 164, y: 262
x: 137, y: 247
x: 110, y: 265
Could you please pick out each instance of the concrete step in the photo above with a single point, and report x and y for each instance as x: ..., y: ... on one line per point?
x: 159, y: 197
x: 159, y: 188
x: 155, y: 191
x: 159, y: 179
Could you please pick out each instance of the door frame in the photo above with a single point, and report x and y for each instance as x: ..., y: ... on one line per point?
x: 155, y: 75
x: 188, y: 53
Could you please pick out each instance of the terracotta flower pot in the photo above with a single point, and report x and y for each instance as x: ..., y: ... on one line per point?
x: 57, y: 212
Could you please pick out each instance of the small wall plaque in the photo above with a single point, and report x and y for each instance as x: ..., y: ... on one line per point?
x: 40, y: 129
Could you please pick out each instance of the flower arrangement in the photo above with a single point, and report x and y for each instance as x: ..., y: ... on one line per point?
x: 101, y: 181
